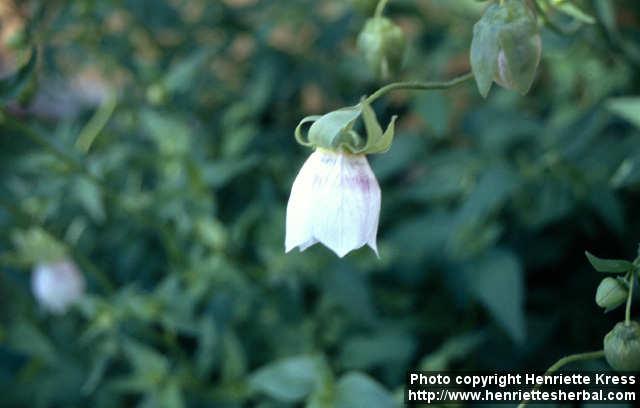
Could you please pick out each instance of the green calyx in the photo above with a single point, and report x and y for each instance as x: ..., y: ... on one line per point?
x: 334, y: 131
x: 506, y: 47
x: 622, y: 347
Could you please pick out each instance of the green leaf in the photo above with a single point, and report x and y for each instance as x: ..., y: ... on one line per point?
x: 234, y: 360
x: 606, y: 14
x: 182, y: 74
x: 171, y: 396
x: 627, y: 108
x: 26, y: 338
x: 572, y: 10
x: 484, y: 50
x: 357, y: 390
x: 379, y: 349
x: 496, y: 280
x: 90, y: 197
x: 609, y: 265
x: 288, y: 380
x: 145, y: 359
x: 37, y: 245
x: 12, y: 86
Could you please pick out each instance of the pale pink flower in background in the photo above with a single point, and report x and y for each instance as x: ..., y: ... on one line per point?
x: 57, y: 285
x: 335, y: 200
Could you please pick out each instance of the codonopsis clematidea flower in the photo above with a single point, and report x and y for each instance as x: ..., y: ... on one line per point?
x: 57, y: 285
x: 335, y: 200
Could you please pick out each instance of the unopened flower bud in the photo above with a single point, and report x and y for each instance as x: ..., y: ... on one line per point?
x: 622, y: 347
x: 383, y: 45
x: 506, y: 47
x: 517, y: 71
x: 611, y: 293
x: 57, y: 285
x: 335, y: 200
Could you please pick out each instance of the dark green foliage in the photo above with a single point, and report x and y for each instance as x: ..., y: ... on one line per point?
x: 165, y: 177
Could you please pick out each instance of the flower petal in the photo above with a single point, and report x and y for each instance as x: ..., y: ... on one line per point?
x: 298, y: 222
x: 347, y: 203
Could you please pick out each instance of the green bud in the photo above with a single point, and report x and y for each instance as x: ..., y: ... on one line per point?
x: 611, y: 293
x: 622, y: 347
x: 506, y: 47
x: 383, y: 45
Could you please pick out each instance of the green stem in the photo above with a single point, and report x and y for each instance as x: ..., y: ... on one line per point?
x: 417, y: 85
x: 380, y: 8
x: 627, y: 314
x: 592, y: 355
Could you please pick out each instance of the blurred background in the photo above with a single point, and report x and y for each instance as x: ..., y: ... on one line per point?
x: 149, y: 143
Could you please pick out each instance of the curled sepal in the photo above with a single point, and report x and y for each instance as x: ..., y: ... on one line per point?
x: 377, y: 141
x: 298, y: 132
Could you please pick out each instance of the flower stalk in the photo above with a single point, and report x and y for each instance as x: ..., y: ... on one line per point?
x: 418, y: 86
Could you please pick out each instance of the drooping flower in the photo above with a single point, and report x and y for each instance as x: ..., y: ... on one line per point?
x: 57, y: 285
x: 335, y: 200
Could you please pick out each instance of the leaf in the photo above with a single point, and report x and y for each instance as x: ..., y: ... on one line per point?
x: 609, y: 265
x: 181, y: 75
x: 12, y: 86
x: 496, y: 280
x: 627, y: 108
x: 234, y: 360
x: 380, y: 349
x: 28, y: 339
x: 145, y: 360
x: 90, y: 197
x: 347, y: 288
x: 171, y: 396
x: 572, y: 10
x: 627, y: 173
x: 357, y: 390
x: 606, y: 14
x: 288, y: 380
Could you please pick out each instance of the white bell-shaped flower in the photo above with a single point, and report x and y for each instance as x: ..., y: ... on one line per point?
x: 335, y: 200
x: 57, y: 285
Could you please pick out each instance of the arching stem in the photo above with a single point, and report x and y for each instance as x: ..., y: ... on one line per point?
x: 592, y: 355
x: 416, y: 85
